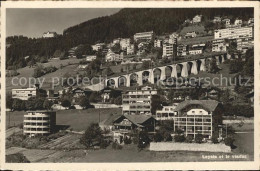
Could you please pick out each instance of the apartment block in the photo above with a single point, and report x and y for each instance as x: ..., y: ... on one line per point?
x: 39, y: 122
x: 233, y: 33
x: 143, y: 36
x: 168, y: 50
x: 138, y: 102
x: 182, y: 50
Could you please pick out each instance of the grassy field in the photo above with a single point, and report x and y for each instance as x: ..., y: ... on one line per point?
x: 27, y: 72
x: 78, y: 120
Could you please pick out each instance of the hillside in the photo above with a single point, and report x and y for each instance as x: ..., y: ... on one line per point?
x: 125, y: 23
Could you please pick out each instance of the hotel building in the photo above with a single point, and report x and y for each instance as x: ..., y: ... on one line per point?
x: 194, y: 117
x: 39, y: 122
x: 138, y: 102
x: 233, y: 33
x: 143, y: 36
x: 167, y: 50
x: 24, y: 94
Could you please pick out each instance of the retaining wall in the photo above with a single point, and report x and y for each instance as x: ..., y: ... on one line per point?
x: 172, y: 146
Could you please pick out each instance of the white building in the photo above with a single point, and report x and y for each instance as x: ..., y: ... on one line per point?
x: 233, y: 33
x: 238, y: 22
x: 138, y: 102
x: 158, y: 43
x: 244, y: 44
x: 98, y: 46
x: 130, y: 50
x: 167, y: 112
x: 167, y: 50
x: 250, y: 21
x: 91, y: 58
x: 195, y: 51
x: 219, y: 45
x: 197, y: 19
x: 143, y: 36
x: 191, y: 34
x: 24, y: 94
x: 49, y: 34
x: 111, y: 56
x: 173, y: 38
x: 181, y: 50
x: 124, y: 43
x: 39, y: 123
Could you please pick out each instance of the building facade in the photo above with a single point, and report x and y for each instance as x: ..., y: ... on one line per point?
x: 138, y: 102
x: 24, y: 94
x: 198, y: 117
x: 39, y: 123
x: 233, y: 33
x: 90, y: 58
x: 182, y: 50
x: 219, y: 45
x: 158, y: 43
x: 130, y: 50
x: 143, y: 36
x: 124, y: 43
x: 98, y: 46
x: 168, y: 50
x: 49, y: 34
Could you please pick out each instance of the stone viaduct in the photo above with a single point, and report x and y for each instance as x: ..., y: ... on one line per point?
x: 194, y: 66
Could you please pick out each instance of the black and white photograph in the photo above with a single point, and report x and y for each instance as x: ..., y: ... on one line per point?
x: 130, y: 83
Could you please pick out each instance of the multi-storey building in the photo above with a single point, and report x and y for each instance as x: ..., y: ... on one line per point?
x: 111, y: 56
x: 182, y: 50
x: 244, y: 43
x: 130, y: 49
x: 158, y: 43
x: 168, y: 49
x: 167, y: 113
x: 143, y: 36
x: 24, y: 94
x: 238, y: 22
x: 198, y: 117
x: 233, y: 33
x: 39, y: 123
x: 219, y: 45
x: 137, y: 102
x: 49, y: 34
x: 124, y: 43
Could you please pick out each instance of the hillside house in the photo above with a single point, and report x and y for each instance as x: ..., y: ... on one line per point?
x: 125, y: 124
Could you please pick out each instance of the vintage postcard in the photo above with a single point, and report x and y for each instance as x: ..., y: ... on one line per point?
x: 129, y: 85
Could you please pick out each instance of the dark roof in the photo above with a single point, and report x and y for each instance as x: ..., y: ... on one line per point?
x: 136, y: 119
x: 110, y: 119
x: 208, y: 104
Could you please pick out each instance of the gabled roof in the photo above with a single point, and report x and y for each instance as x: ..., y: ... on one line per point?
x: 208, y: 104
x: 110, y: 120
x: 136, y: 119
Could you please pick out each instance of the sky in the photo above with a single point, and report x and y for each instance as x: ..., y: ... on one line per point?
x: 34, y: 22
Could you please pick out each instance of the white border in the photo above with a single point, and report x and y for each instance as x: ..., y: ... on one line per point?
x: 132, y: 166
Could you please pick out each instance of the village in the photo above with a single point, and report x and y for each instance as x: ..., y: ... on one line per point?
x: 158, y: 99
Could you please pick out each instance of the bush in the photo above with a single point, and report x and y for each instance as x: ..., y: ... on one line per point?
x: 127, y: 140
x: 179, y: 138
x: 158, y: 137
x: 214, y: 139
x: 104, y: 144
x: 229, y: 141
x: 189, y: 139
x: 116, y: 146
x: 167, y: 136
x: 199, y: 138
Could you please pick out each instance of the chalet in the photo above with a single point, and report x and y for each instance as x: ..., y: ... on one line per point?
x: 238, y: 22
x: 125, y: 124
